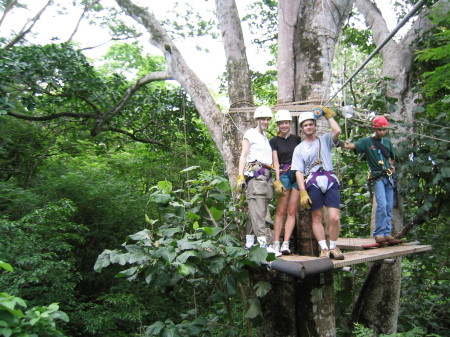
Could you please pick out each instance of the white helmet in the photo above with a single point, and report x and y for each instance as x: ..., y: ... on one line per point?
x: 306, y: 116
x: 262, y: 111
x: 283, y: 115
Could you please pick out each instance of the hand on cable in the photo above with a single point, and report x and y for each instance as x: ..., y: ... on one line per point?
x: 240, y: 183
x: 327, y: 112
x: 279, y: 188
x: 305, y: 200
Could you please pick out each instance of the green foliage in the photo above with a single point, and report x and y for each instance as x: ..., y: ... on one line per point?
x: 122, y: 58
x: 263, y: 24
x: 192, y: 244
x: 361, y: 331
x: 42, y: 247
x: 434, y: 61
x: 37, y: 321
x: 358, y: 38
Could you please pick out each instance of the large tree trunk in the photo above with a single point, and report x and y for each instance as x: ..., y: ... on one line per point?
x: 239, y: 83
x: 308, y: 32
x: 378, y: 303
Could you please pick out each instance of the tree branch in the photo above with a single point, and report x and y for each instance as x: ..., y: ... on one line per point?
x: 134, y: 137
x: 51, y: 116
x: 86, y: 9
x: 7, y: 10
x: 106, y: 118
x: 26, y: 30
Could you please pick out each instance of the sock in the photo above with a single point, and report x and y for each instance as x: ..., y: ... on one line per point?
x: 323, y: 244
x: 332, y: 244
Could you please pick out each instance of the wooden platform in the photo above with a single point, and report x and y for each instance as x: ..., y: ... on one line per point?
x: 358, y: 255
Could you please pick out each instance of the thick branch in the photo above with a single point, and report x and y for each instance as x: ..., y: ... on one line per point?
x: 238, y: 72
x: 51, y: 116
x: 138, y: 139
x: 152, y: 77
x: 374, y: 20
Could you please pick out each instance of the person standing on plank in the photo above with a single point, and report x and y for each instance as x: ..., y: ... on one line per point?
x: 255, y: 166
x: 380, y: 158
x: 285, y: 184
x: 319, y: 186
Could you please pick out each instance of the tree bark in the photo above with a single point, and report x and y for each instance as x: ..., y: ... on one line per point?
x: 378, y: 304
x: 239, y: 84
x: 308, y: 32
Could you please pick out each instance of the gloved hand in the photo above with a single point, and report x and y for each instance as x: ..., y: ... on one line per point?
x: 240, y: 183
x: 305, y: 200
x: 279, y: 188
x: 327, y: 112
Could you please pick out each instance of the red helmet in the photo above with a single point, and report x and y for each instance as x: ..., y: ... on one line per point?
x: 380, y: 122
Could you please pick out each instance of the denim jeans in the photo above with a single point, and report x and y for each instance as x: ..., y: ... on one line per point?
x: 384, y: 196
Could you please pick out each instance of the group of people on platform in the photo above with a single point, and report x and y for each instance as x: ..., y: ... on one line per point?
x: 303, y: 171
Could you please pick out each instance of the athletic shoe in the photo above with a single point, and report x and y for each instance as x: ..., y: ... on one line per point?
x: 249, y: 241
x: 390, y: 240
x: 271, y: 250
x: 336, y: 254
x: 325, y: 253
x: 285, y: 248
x: 276, y: 246
x: 380, y: 240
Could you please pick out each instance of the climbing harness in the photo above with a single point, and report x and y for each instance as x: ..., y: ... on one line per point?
x: 256, y: 169
x: 284, y: 168
x: 321, y: 179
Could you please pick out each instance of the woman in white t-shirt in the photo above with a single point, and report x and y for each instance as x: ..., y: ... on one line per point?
x: 255, y: 165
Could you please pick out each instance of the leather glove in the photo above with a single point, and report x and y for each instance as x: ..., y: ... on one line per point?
x: 279, y: 188
x: 328, y: 112
x: 240, y: 183
x: 305, y: 200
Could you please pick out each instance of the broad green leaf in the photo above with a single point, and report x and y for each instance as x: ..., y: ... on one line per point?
x: 167, y: 253
x: 6, y: 266
x: 254, y: 309
x: 235, y: 252
x: 165, y: 186
x: 160, y: 198
x: 183, y: 270
x: 217, y: 214
x: 257, y: 255
x: 144, y: 235
x: 169, y: 232
x: 155, y: 328
x: 189, y: 169
x: 262, y: 288
x: 171, y: 332
x: 182, y: 258
x: 224, y: 186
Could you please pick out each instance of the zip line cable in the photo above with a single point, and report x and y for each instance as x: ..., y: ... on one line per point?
x: 381, y: 45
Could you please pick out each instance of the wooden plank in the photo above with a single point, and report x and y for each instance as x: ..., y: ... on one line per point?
x: 354, y: 243
x: 364, y: 256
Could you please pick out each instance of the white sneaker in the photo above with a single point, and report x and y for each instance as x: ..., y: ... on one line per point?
x: 249, y: 241
x: 285, y: 248
x: 271, y: 250
x: 276, y: 246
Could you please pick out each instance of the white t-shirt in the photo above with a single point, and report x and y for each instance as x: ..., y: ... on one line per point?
x: 260, y: 149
